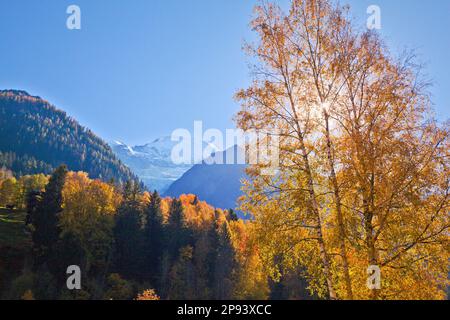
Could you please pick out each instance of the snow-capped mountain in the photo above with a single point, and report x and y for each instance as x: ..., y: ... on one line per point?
x: 152, y: 162
x: 217, y: 184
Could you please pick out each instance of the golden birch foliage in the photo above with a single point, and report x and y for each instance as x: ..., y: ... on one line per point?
x: 88, y: 213
x: 8, y: 192
x: 252, y: 279
x: 85, y: 201
x: 284, y: 234
x: 390, y: 158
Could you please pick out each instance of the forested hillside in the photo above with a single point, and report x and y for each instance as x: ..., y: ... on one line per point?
x: 35, y: 137
x: 128, y: 243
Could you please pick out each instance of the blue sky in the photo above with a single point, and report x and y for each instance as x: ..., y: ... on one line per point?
x: 139, y: 69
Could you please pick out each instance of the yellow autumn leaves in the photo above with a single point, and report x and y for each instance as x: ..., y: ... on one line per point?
x: 364, y: 168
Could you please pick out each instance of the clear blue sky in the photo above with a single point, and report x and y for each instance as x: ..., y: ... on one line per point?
x: 139, y: 69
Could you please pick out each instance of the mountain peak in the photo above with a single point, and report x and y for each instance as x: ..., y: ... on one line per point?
x: 164, y: 139
x: 35, y: 137
x: 152, y: 162
x: 117, y: 143
x: 15, y: 92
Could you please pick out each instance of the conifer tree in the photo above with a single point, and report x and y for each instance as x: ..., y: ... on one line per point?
x: 45, y: 217
x: 211, y: 257
x: 225, y: 265
x: 232, y: 216
x: 32, y: 201
x: 177, y: 229
x: 128, y: 235
x: 182, y: 276
x: 154, y: 238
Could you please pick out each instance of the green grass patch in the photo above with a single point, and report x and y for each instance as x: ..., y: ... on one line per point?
x: 12, y: 229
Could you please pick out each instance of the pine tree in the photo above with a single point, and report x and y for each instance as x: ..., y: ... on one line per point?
x: 182, y: 276
x: 45, y: 218
x: 225, y: 265
x: 128, y: 235
x: 154, y: 238
x: 211, y: 257
x: 69, y: 251
x: 177, y: 229
x: 131, y: 192
x: 33, y: 200
x: 232, y: 216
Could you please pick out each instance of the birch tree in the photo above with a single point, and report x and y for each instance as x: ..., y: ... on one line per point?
x: 363, y: 176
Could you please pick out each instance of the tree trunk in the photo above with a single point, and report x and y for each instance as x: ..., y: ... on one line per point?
x: 315, y: 208
x: 339, y: 216
x: 372, y: 254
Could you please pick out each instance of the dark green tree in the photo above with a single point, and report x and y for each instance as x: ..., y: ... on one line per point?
x: 128, y: 235
x: 33, y: 199
x: 225, y: 266
x: 36, y: 137
x: 154, y: 237
x: 183, y: 277
x: 45, y: 218
x: 69, y: 251
x: 211, y: 256
x: 177, y: 229
x: 232, y: 216
x: 131, y: 192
